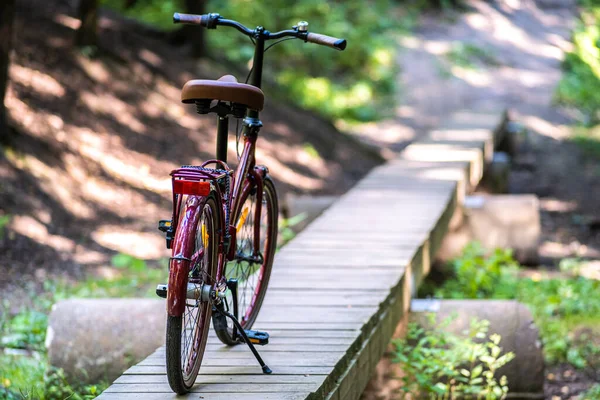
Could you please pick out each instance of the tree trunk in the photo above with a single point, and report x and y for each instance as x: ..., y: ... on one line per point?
x: 195, y: 34
x: 87, y: 34
x: 7, y: 14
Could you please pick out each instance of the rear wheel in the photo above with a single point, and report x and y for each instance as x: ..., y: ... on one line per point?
x: 187, y: 334
x: 251, y: 270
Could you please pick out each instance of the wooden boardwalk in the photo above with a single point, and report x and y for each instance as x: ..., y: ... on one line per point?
x: 341, y: 287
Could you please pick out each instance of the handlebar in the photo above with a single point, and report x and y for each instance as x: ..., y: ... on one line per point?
x: 211, y: 21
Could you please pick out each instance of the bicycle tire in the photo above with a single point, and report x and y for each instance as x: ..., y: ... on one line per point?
x: 183, y: 367
x: 269, y: 213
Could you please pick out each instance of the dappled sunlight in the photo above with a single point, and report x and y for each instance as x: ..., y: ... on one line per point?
x: 36, y: 81
x: 67, y: 21
x: 472, y: 77
x: 33, y: 229
x: 150, y: 57
x: 94, y: 69
x: 135, y: 175
x: 557, y: 205
x: 545, y: 128
x: 97, y: 133
x: 505, y: 30
x: 287, y: 175
x: 53, y: 182
x: 140, y: 245
x: 119, y: 110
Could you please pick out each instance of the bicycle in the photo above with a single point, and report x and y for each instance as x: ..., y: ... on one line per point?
x: 223, y: 228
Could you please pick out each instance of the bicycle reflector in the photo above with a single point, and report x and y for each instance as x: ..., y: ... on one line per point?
x: 196, y: 188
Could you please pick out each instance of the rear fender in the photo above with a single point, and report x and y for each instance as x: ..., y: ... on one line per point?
x: 183, y: 247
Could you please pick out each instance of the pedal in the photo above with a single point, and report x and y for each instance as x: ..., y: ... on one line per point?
x: 164, y: 225
x: 161, y: 291
x: 257, y: 337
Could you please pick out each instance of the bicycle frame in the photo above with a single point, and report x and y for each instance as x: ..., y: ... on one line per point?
x: 247, y: 176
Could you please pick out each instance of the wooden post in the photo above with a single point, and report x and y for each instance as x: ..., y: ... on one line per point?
x: 87, y: 34
x: 7, y: 13
x: 195, y: 34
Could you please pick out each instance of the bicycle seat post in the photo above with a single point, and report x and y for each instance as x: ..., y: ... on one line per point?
x: 222, y: 133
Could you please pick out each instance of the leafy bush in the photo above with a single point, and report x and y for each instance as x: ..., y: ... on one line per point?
x: 357, y: 84
x: 478, y: 276
x: 560, y: 307
x: 581, y: 79
x: 29, y: 376
x: 437, y: 364
x: 27, y: 330
x: 591, y: 394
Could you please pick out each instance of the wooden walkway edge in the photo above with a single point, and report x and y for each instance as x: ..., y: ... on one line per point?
x: 341, y: 287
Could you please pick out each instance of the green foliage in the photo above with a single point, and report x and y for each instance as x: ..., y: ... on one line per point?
x: 354, y: 84
x: 478, y: 276
x: 580, y: 84
x: 154, y: 12
x: 588, y: 139
x: 26, y: 374
x: 4, y: 220
x: 437, y: 364
x: 27, y: 330
x: 32, y: 378
x: 560, y: 307
x: 286, y: 233
x: 592, y: 393
x: 470, y: 56
x: 357, y: 84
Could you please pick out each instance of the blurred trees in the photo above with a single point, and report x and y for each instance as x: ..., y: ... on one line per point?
x: 7, y: 13
x: 87, y: 34
x: 194, y: 35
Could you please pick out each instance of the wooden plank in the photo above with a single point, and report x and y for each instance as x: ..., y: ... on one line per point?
x: 274, y: 360
x: 232, y: 370
x: 209, y: 396
x: 216, y: 388
x: 272, y: 347
x: 231, y: 379
x: 301, y: 339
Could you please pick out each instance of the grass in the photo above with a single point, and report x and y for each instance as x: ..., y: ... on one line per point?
x: 24, y: 369
x: 588, y: 139
x: 566, y: 311
x: 579, y: 85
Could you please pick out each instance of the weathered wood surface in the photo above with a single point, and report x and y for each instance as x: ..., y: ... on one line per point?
x: 339, y: 289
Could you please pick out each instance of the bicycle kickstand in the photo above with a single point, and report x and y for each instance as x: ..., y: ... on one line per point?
x: 242, y: 333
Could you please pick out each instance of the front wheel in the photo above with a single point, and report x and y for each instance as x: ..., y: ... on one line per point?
x: 196, y: 239
x: 251, y: 269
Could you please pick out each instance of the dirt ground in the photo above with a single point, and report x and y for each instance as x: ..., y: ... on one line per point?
x: 526, y: 40
x: 86, y: 173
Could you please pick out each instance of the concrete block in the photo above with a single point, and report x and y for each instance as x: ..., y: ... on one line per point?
x: 508, y: 318
x: 506, y: 221
x: 98, y: 339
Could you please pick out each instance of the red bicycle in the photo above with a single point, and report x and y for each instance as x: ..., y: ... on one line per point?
x: 223, y: 230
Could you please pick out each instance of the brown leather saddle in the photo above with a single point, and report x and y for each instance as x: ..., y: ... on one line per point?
x: 226, y: 88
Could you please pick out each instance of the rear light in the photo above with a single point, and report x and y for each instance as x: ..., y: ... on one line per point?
x: 196, y: 188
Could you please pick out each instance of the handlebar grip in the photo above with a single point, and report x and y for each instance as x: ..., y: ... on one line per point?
x: 334, y: 43
x: 190, y: 19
